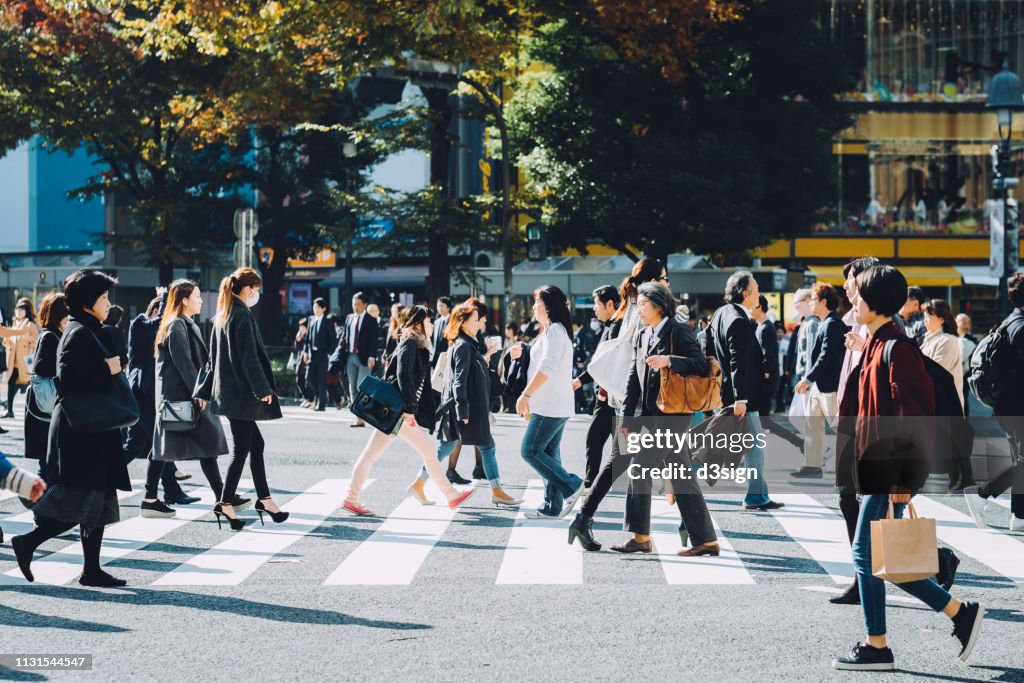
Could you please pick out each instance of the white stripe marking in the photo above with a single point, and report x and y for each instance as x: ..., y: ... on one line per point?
x: 820, y: 531
x: 5, y: 494
x: 988, y: 546
x: 393, y: 554
x: 727, y: 568
x: 233, y: 561
x: 538, y: 552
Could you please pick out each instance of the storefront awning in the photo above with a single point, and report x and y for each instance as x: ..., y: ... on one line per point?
x: 388, y: 277
x: 922, y: 276
x: 979, y: 275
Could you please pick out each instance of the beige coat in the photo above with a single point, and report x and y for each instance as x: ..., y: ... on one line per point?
x: 945, y: 350
x: 20, y: 340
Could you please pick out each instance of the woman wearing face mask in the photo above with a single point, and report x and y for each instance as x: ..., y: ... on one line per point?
x: 20, y: 340
x: 180, y: 353
x: 548, y: 400
x: 53, y: 314
x: 409, y: 368
x: 243, y: 391
x: 88, y: 466
x: 465, y: 400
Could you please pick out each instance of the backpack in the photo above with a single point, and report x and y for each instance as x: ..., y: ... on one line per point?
x: 993, y: 367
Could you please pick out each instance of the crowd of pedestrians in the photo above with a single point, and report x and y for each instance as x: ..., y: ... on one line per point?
x: 890, y: 356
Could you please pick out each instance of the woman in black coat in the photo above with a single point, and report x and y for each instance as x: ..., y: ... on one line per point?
x: 242, y: 390
x: 180, y: 353
x: 465, y: 400
x: 53, y: 317
x: 85, y: 469
x: 409, y: 370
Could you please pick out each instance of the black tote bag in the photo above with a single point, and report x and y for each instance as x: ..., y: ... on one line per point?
x: 114, y: 408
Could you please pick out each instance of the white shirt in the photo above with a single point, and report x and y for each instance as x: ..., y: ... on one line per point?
x: 355, y: 324
x: 551, y: 353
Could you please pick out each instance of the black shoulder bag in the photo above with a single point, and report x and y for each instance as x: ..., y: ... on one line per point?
x: 114, y: 408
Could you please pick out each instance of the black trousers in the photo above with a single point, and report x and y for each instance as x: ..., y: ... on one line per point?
x: 316, y: 378
x: 300, y: 381
x: 159, y: 469
x: 247, y: 441
x: 600, y: 429
x: 1011, y: 477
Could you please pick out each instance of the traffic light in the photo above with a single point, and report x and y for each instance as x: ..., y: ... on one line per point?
x: 536, y: 242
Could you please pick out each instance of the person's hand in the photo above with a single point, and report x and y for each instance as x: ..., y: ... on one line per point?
x: 671, y: 498
x: 657, y: 362
x: 802, y: 387
x: 739, y: 409
x: 766, y: 375
x: 371, y: 362
x: 576, y: 384
x: 114, y: 364
x: 465, y: 420
x: 160, y: 291
x: 268, y: 399
x: 516, y: 352
x: 202, y: 404
x: 409, y: 419
x: 899, y: 498
x: 38, y: 489
x: 854, y: 341
x: 522, y: 405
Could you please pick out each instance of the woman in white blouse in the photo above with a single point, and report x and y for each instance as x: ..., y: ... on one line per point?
x: 941, y: 342
x: 548, y: 403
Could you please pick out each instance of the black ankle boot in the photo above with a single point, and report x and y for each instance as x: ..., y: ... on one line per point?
x: 581, y: 529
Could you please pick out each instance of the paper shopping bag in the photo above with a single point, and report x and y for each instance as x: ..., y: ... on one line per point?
x: 904, y: 550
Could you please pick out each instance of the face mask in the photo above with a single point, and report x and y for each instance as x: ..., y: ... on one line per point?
x: 595, y: 326
x: 253, y: 300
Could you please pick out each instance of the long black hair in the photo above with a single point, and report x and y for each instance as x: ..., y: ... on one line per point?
x: 557, y: 305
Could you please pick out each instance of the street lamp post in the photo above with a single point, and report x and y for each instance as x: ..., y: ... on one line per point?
x: 1005, y: 96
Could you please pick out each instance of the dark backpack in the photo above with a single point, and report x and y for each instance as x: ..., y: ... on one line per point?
x: 993, y: 367
x: 947, y: 401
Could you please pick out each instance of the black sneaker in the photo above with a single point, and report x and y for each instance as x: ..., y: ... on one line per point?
x: 156, y: 509
x: 948, y: 562
x: 180, y: 499
x: 455, y: 479
x: 807, y: 473
x: 240, y: 503
x: 479, y: 474
x: 863, y: 657
x: 100, y: 579
x: 967, y: 626
x: 770, y: 505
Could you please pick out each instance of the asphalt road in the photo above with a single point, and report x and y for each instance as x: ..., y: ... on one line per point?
x: 419, y: 594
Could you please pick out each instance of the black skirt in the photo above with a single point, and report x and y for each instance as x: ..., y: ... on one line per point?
x: 88, y: 508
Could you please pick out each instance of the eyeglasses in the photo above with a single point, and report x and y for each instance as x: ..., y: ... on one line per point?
x: 664, y: 279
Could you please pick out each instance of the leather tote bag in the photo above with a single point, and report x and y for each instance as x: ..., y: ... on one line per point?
x: 114, y: 408
x: 379, y: 403
x: 685, y: 394
x: 904, y: 550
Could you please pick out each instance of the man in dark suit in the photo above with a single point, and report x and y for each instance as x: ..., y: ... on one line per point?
x: 768, y: 381
x: 730, y: 339
x: 359, y: 346
x: 321, y: 342
x: 821, y: 382
x: 439, y: 341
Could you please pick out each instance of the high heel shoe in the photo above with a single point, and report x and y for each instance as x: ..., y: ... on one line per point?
x: 278, y: 516
x: 581, y: 529
x: 235, y: 523
x: 507, y: 501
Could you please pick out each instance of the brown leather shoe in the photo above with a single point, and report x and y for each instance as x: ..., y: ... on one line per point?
x: 632, y: 546
x: 702, y: 549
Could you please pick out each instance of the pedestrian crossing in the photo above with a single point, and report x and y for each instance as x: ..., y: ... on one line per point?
x: 535, y: 552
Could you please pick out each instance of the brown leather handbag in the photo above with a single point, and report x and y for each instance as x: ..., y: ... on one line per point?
x: 684, y: 394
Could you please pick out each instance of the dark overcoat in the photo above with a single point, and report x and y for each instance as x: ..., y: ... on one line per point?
x: 241, y: 369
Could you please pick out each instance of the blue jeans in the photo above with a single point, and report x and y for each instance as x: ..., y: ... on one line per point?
x: 872, y: 589
x: 757, y: 487
x: 445, y: 448
x: 540, y: 450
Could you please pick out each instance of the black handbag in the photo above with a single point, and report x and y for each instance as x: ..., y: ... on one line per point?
x: 379, y: 403
x: 178, y: 416
x: 114, y: 408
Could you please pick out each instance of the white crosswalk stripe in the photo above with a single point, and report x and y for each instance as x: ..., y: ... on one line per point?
x: 537, y: 551
x: 5, y: 494
x: 234, y: 560
x: 988, y: 546
x: 393, y: 554
x: 726, y: 568
x: 820, y: 531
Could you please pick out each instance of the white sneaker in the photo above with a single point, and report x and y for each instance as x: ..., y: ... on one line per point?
x: 1016, y: 524
x: 976, y: 505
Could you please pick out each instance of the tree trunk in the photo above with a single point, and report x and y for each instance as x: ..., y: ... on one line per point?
x: 439, y: 267
x: 270, y: 300
x: 165, y: 273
